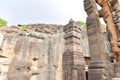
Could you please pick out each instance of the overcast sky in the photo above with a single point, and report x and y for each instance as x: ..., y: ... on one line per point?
x: 41, y: 11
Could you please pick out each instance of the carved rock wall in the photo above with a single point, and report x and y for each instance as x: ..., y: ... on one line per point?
x: 35, y: 53
x: 31, y: 55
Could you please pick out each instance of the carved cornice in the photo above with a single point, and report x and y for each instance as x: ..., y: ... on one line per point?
x: 72, y: 26
x: 90, y: 7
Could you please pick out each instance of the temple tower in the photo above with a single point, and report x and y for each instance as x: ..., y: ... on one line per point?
x: 73, y: 58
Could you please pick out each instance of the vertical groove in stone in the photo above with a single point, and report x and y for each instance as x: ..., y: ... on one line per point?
x: 24, y: 48
x: 33, y: 55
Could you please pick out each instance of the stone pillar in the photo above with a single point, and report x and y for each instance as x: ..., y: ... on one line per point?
x: 73, y: 59
x: 116, y: 18
x: 117, y: 70
x: 99, y: 67
x: 116, y: 15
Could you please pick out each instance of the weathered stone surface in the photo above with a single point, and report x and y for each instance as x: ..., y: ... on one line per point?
x: 115, y: 78
x: 117, y: 69
x: 37, y: 53
x: 73, y: 58
x: 31, y: 55
x: 98, y: 68
x: 84, y: 43
x: 112, y: 19
x: 110, y: 13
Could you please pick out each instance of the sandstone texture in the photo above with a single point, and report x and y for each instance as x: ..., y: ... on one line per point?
x: 35, y: 53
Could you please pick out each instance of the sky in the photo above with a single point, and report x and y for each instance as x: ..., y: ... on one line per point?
x: 41, y: 11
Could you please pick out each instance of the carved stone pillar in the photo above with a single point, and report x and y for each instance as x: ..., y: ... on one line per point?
x: 116, y: 17
x: 117, y: 70
x: 100, y: 67
x: 73, y: 59
x: 111, y: 28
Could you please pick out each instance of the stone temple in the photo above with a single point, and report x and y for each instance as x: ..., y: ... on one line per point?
x: 64, y: 52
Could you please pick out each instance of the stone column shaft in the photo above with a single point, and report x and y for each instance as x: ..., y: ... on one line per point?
x: 98, y: 68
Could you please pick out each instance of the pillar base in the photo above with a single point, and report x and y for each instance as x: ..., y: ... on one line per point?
x: 100, y: 70
x: 117, y: 69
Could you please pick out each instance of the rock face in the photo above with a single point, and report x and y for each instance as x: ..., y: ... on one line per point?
x: 35, y: 54
x: 84, y: 43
